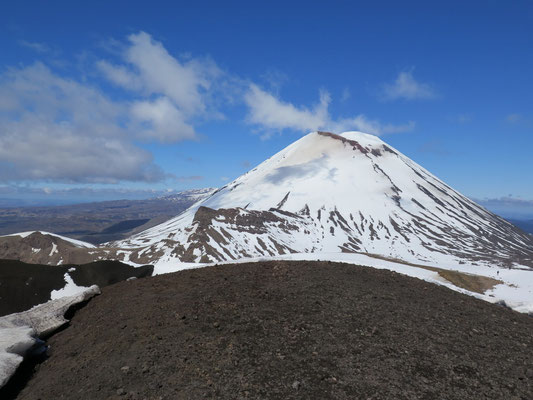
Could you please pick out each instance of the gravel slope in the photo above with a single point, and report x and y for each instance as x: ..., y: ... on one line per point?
x: 287, y: 330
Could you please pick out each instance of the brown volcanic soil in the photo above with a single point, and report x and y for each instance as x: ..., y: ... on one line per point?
x: 287, y: 330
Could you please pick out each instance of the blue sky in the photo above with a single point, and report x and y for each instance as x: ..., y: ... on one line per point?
x: 120, y: 99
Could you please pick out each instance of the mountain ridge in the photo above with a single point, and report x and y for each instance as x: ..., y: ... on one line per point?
x: 338, y: 193
x: 343, y: 198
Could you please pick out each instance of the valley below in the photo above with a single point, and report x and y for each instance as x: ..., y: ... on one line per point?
x: 98, y: 222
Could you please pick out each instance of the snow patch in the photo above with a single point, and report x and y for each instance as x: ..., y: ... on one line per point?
x: 54, y: 250
x: 19, y: 332
x: 70, y: 289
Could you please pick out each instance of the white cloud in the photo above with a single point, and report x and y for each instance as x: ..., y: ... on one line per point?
x: 161, y: 120
x: 162, y: 73
x: 271, y: 113
x: 120, y: 75
x: 274, y: 79
x: 267, y: 110
x: 35, y: 46
x: 364, y: 124
x: 182, y: 88
x: 406, y: 87
x: 345, y: 94
x: 57, y: 129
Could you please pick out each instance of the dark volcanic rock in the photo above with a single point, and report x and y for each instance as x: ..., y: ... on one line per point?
x: 287, y: 330
x: 23, y: 286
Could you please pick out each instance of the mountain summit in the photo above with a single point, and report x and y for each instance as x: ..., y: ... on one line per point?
x: 336, y: 193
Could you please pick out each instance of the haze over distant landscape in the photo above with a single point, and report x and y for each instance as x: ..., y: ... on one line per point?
x: 211, y: 102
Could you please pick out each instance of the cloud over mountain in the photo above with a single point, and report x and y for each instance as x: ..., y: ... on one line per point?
x: 271, y: 113
x: 408, y: 88
x: 98, y: 126
x: 171, y: 92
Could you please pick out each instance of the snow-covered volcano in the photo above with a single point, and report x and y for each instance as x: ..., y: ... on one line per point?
x: 336, y: 193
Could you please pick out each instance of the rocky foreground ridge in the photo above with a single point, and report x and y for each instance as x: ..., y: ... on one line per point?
x: 287, y: 330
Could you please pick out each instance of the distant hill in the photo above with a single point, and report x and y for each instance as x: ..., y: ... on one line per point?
x: 99, y: 222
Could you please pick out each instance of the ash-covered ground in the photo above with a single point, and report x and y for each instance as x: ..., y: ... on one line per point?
x: 287, y: 330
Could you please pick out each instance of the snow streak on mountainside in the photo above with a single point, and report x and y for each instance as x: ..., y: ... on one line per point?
x: 336, y: 193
